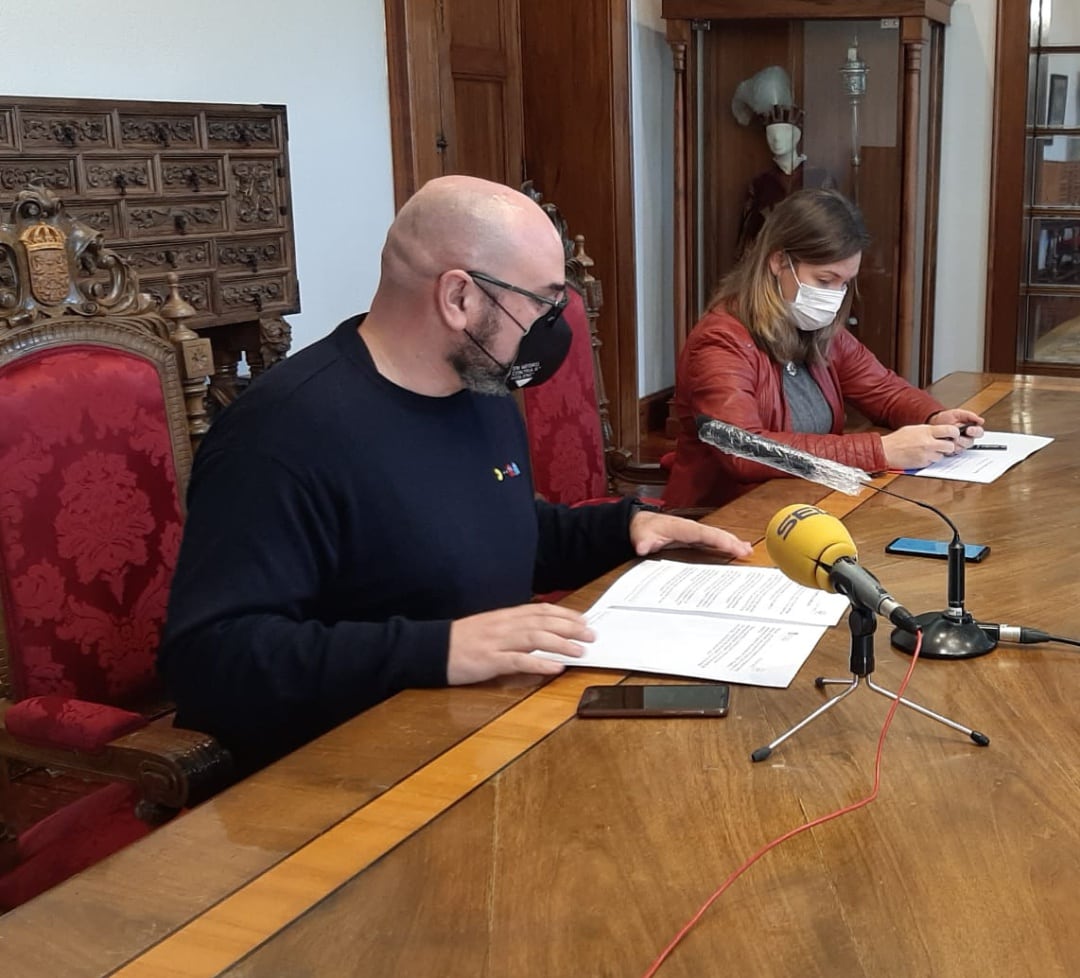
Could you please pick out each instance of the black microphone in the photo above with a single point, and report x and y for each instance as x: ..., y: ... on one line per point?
x: 814, y: 549
x: 859, y: 585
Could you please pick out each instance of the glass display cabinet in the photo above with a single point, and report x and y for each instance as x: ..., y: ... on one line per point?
x: 774, y: 95
x: 1049, y: 308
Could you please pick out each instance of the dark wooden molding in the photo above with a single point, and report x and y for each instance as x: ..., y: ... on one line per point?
x: 915, y: 40
x: 397, y: 65
x: 625, y: 330
x: 1005, y: 246
x: 936, y: 10
x: 681, y: 41
x: 936, y: 71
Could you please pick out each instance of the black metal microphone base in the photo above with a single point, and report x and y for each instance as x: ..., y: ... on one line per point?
x: 945, y: 637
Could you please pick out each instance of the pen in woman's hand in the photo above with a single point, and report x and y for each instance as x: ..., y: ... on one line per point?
x: 988, y: 448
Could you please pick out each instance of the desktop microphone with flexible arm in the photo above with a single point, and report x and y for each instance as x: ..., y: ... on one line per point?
x: 952, y: 633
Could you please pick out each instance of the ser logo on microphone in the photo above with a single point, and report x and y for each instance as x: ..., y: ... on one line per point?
x: 793, y: 518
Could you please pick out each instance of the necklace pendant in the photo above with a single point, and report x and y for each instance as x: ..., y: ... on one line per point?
x: 791, y: 368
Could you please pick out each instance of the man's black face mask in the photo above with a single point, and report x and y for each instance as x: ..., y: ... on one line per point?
x: 542, y: 351
x: 544, y: 344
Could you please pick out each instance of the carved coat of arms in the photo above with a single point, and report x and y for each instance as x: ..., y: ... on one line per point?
x: 50, y: 279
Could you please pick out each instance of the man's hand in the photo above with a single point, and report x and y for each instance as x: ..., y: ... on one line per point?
x: 651, y: 531
x: 497, y: 643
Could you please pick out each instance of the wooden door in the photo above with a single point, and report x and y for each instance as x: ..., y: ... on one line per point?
x: 455, y: 90
x: 576, y: 90
x: 485, y: 65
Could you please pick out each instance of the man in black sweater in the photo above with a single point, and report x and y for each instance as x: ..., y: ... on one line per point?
x: 362, y: 520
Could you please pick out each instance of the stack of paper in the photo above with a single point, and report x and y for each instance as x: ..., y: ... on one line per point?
x: 722, y: 622
x: 982, y: 464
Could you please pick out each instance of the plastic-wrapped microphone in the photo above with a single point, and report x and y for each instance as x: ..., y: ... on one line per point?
x: 733, y: 440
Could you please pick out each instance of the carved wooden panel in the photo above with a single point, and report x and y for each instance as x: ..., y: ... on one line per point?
x: 106, y: 175
x: 195, y: 289
x: 57, y: 175
x: 197, y: 189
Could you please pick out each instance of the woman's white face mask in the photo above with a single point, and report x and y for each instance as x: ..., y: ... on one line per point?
x: 814, y: 308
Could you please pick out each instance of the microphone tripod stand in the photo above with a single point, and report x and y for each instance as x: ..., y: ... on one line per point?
x: 862, y: 622
x: 952, y: 633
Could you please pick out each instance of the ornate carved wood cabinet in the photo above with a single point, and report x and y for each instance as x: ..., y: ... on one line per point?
x: 201, y: 190
x: 865, y: 89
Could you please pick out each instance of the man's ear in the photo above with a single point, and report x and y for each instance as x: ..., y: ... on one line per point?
x: 454, y: 297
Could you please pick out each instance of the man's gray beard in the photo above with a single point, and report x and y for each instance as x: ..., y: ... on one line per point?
x: 481, y: 377
x: 476, y: 370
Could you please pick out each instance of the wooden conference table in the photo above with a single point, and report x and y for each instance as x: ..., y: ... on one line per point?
x: 486, y: 832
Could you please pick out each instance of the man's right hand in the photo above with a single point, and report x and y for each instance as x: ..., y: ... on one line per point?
x: 497, y: 643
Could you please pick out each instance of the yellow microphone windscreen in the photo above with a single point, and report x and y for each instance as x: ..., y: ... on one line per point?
x: 804, y: 541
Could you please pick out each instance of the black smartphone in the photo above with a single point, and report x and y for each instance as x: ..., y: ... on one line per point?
x: 913, y: 546
x: 696, y: 700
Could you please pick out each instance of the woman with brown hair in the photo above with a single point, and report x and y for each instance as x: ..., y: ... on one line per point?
x: 771, y: 356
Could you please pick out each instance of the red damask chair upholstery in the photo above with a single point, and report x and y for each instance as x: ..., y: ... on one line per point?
x: 571, y: 444
x: 96, y: 424
x: 566, y: 443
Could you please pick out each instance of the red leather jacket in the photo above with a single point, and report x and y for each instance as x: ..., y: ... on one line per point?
x: 722, y: 373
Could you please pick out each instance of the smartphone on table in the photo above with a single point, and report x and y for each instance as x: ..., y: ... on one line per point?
x: 916, y: 547
x: 694, y: 700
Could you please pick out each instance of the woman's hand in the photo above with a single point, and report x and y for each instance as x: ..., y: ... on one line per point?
x: 961, y: 417
x: 918, y: 445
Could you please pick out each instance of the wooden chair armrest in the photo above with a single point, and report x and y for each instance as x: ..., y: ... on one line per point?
x: 623, y: 469
x: 172, y: 767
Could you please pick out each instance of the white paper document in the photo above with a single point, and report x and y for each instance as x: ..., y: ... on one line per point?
x: 985, y: 465
x: 722, y: 622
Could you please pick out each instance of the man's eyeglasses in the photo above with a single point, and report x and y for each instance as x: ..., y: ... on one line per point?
x: 549, y: 318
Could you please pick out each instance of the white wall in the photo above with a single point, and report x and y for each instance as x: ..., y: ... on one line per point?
x: 323, y: 59
x: 652, y: 144
x: 964, y: 214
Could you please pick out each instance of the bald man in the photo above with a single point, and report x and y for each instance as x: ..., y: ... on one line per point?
x: 362, y: 520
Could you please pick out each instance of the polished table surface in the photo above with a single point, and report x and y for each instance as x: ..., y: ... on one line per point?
x: 485, y: 831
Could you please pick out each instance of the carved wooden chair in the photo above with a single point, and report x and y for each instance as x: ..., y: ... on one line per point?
x: 571, y: 444
x: 101, y: 398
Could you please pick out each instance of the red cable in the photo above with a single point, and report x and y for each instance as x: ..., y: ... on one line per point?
x: 854, y: 806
